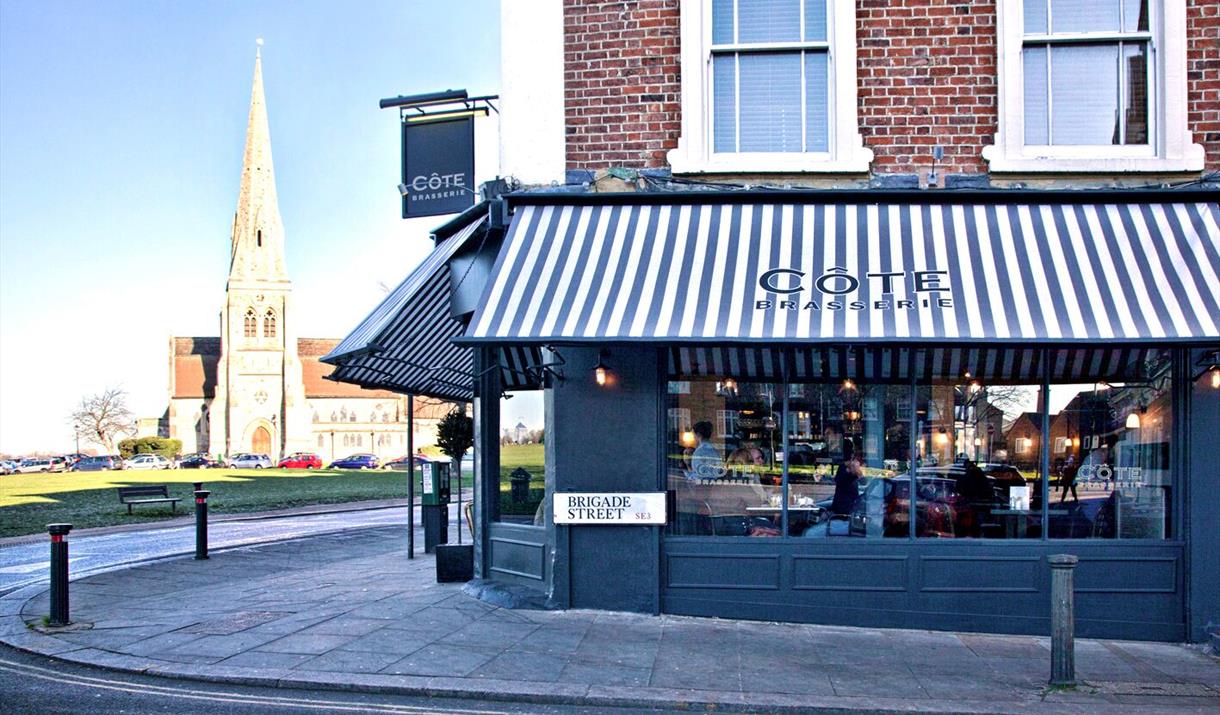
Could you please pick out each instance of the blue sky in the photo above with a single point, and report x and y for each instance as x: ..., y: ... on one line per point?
x: 121, y: 135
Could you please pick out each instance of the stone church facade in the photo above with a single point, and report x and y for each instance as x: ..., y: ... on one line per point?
x: 259, y: 386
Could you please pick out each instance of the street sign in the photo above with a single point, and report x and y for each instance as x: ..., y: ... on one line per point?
x: 610, y: 508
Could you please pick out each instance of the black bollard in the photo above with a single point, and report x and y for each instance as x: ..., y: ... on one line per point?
x: 198, y: 486
x: 201, y: 524
x: 59, y: 574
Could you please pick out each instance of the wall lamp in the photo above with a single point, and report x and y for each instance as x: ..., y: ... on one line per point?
x: 1133, y: 419
x: 601, y: 373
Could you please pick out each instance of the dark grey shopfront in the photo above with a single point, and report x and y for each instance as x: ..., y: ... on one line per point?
x: 1033, y: 336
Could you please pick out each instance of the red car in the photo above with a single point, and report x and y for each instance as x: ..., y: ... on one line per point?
x: 301, y: 460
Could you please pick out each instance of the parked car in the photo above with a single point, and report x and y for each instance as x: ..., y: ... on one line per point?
x: 250, y: 461
x: 148, y: 461
x: 402, y: 464
x: 60, y: 464
x: 301, y: 460
x: 356, y: 461
x: 8, y: 466
x: 104, y: 463
x: 200, y: 461
x: 27, y: 466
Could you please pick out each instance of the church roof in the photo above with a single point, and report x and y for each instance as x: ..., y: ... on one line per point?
x: 193, y: 373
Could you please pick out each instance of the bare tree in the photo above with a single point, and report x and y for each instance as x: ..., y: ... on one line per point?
x: 103, y: 418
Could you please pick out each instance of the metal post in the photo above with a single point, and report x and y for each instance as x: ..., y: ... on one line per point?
x: 1063, y: 620
x: 198, y: 486
x: 201, y: 524
x: 59, y: 574
x: 410, y: 476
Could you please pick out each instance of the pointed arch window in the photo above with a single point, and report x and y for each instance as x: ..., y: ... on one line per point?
x: 269, y: 324
x: 251, y: 326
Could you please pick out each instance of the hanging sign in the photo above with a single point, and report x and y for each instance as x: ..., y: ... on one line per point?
x: 610, y: 508
x: 437, y: 167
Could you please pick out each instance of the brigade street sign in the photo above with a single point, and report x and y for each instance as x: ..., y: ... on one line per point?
x: 610, y: 508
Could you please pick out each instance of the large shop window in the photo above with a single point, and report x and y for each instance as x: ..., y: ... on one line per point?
x: 769, y: 85
x: 522, y: 457
x: 1092, y: 85
x: 826, y: 443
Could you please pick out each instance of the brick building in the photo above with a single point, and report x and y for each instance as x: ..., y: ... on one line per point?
x: 859, y: 240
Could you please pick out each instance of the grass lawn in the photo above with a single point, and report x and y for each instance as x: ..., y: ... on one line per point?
x: 28, y: 502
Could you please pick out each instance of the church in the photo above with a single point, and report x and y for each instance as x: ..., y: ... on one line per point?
x: 259, y: 387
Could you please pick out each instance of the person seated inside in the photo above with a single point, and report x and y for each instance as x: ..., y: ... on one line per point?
x: 706, y: 461
x: 747, y: 455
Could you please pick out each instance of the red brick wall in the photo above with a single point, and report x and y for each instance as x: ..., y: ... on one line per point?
x: 926, y: 69
x: 622, y: 90
x: 927, y: 76
x: 1203, y: 75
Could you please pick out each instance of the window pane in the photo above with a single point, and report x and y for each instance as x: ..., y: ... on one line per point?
x: 768, y: 20
x: 1084, y: 15
x: 722, y: 439
x: 1084, y: 94
x: 848, y: 449
x: 722, y: 22
x: 769, y: 90
x: 1135, y: 15
x: 1037, y: 110
x: 1110, y: 468
x: 724, y: 102
x: 1135, y: 93
x: 979, y: 451
x: 815, y: 20
x: 522, y: 458
x: 817, y: 102
x: 1035, y: 17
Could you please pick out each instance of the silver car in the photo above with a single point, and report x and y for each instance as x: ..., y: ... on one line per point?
x: 250, y: 461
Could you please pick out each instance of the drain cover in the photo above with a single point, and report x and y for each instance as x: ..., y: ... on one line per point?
x: 1178, y: 689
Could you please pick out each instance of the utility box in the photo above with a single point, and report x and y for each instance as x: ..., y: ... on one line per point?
x: 435, y: 483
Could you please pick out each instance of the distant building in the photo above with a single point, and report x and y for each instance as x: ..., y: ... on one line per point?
x: 522, y: 433
x: 259, y: 387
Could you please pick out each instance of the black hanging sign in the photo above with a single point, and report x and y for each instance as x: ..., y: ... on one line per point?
x: 437, y: 167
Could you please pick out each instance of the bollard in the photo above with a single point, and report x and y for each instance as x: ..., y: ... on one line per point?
x: 198, y: 486
x: 59, y: 574
x: 201, y: 524
x: 1063, y: 620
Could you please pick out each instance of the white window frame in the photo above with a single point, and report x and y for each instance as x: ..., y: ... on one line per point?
x: 694, y: 153
x: 1170, y: 147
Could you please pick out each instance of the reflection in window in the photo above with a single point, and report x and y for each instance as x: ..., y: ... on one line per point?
x: 523, y: 458
x: 723, y: 466
x: 848, y: 460
x: 1112, y: 479
x: 979, y: 455
x: 1086, y: 72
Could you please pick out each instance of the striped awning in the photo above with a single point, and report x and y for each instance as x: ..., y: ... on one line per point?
x: 1015, y: 365
x: 1064, y: 269
x: 406, y: 343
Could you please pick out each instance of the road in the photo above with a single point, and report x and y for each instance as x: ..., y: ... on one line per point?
x: 32, y: 684
x: 27, y: 564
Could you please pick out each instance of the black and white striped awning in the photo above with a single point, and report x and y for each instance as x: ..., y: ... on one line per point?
x: 1015, y: 365
x: 406, y: 343
x: 1053, y: 270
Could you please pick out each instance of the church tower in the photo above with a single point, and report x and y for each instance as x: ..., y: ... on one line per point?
x: 260, y: 396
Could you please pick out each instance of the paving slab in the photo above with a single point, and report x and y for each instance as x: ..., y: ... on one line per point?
x: 349, y: 611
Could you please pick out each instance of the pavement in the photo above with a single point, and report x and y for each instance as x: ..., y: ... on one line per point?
x: 24, y: 560
x: 349, y: 611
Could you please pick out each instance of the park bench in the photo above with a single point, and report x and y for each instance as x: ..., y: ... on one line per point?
x: 151, y: 494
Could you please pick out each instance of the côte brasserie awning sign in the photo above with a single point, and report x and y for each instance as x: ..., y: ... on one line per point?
x: 610, y: 508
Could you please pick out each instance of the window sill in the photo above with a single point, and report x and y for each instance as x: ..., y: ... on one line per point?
x: 682, y: 162
x: 1098, y: 163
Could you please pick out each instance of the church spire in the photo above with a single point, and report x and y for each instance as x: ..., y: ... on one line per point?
x: 258, y: 231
